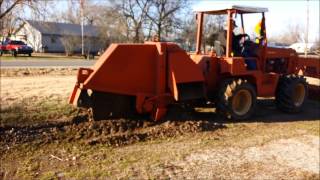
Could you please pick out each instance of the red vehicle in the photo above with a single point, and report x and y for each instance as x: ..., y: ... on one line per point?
x: 15, y: 48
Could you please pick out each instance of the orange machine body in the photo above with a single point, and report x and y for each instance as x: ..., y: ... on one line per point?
x: 157, y: 74
x: 160, y: 73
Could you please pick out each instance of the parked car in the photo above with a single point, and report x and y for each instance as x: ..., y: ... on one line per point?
x: 278, y: 45
x: 300, y: 47
x: 15, y: 47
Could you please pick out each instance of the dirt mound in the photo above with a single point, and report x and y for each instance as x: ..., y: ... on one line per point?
x: 126, y: 132
x: 115, y: 132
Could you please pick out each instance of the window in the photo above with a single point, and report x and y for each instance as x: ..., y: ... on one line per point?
x: 17, y: 43
x: 53, y: 39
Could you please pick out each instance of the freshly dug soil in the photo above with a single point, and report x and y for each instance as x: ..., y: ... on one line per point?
x: 115, y: 132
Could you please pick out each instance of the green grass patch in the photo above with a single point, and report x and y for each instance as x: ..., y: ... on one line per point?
x: 28, y: 112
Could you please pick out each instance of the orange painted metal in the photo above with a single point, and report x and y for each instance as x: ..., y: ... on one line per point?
x: 151, y: 72
x: 310, y: 66
x: 199, y: 32
x: 123, y: 69
x: 83, y: 74
x: 73, y: 98
x: 289, y: 54
x: 160, y: 73
x: 229, y: 34
x: 210, y: 68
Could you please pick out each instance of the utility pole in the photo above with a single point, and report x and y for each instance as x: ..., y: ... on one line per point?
x: 82, y: 40
x: 307, y: 32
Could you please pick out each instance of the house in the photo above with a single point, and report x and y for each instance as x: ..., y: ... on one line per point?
x: 301, y: 47
x: 58, y: 37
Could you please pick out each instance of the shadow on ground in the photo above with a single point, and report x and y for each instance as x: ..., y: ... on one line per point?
x: 266, y: 111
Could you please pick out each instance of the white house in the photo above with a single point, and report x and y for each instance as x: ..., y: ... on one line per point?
x: 52, y: 36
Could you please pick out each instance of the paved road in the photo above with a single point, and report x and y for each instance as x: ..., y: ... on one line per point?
x: 42, y: 63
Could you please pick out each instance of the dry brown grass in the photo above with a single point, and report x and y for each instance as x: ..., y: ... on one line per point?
x: 23, y: 72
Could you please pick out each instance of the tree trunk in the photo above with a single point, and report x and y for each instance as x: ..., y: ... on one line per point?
x: 136, y: 37
x: 159, y: 31
x: 149, y: 32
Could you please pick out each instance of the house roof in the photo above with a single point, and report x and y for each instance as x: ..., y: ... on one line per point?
x: 221, y: 9
x: 54, y: 28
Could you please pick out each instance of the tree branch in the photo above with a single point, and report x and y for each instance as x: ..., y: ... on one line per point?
x: 10, y: 8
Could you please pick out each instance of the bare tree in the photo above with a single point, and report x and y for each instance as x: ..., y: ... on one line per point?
x: 187, y: 36
x: 7, y: 6
x: 135, y: 14
x: 112, y: 26
x: 213, y: 25
x: 71, y: 15
x: 9, y: 17
x: 163, y: 14
x: 70, y: 44
x: 293, y: 34
x: 12, y: 11
x: 109, y: 21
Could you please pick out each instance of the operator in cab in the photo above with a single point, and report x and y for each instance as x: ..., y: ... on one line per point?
x: 222, y: 38
x: 241, y: 45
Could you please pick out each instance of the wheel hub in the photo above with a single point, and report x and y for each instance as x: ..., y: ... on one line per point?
x: 299, y: 93
x: 242, y: 102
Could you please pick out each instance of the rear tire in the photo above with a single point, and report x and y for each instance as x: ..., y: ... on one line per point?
x: 292, y: 91
x: 236, y: 99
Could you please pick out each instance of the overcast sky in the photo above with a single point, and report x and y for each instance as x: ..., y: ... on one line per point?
x: 280, y: 15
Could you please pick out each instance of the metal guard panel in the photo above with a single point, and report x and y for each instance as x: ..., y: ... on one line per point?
x: 184, y: 68
x: 125, y: 69
x: 234, y: 66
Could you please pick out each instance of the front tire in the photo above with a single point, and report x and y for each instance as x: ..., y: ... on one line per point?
x: 236, y: 99
x: 14, y: 53
x: 292, y: 91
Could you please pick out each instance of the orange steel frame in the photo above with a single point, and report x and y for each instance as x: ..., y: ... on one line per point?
x: 265, y: 82
x: 235, y: 66
x: 156, y: 73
